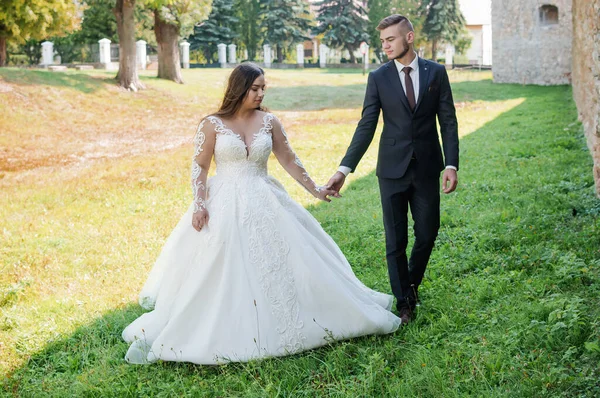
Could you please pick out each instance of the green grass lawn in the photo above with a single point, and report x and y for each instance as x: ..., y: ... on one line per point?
x: 93, y: 179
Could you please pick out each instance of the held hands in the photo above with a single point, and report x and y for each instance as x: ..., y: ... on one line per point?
x: 449, y: 181
x: 200, y: 219
x: 336, y: 182
x: 323, y: 193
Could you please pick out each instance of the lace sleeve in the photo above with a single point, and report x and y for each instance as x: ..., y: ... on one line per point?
x: 289, y: 160
x: 203, y: 151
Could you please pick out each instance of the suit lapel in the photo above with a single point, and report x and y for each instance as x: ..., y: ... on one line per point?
x: 394, y: 78
x: 423, y: 81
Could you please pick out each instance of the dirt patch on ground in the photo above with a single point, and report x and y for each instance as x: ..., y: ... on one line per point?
x: 49, y: 126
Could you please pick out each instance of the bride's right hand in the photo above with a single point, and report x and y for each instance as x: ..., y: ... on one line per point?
x: 323, y: 193
x: 200, y: 219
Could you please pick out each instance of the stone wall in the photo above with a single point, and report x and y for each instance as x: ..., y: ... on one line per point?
x: 526, y: 51
x: 586, y: 74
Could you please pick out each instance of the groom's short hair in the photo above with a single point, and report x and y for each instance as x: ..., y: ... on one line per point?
x: 393, y: 20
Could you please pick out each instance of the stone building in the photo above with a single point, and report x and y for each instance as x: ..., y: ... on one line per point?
x: 550, y: 42
x: 586, y: 74
x: 532, y: 41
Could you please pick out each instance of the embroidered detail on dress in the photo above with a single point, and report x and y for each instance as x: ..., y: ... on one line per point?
x: 198, y: 187
x: 269, y: 254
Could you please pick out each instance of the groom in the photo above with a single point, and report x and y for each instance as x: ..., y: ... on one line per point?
x: 411, y: 92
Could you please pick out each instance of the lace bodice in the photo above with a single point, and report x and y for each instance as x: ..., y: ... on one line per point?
x: 237, y: 160
x: 234, y: 158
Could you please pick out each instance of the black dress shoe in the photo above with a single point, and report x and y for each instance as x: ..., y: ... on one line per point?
x: 406, y: 315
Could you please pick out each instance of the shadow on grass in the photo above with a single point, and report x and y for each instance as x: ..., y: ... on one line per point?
x: 305, y: 98
x: 315, y: 98
x: 80, y: 81
x: 91, y: 361
x: 351, y: 96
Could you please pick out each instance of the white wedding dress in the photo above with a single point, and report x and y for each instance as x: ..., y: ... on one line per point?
x: 261, y: 279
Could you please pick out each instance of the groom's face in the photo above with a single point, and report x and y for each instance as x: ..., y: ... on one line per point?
x: 395, y: 41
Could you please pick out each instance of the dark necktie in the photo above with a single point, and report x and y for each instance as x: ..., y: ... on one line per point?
x: 410, y: 90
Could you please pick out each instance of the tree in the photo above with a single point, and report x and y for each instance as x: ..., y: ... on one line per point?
x: 378, y: 9
x: 99, y: 22
x: 35, y: 19
x: 443, y: 21
x: 172, y: 19
x: 218, y: 28
x: 344, y: 24
x: 67, y: 47
x: 125, y: 15
x: 33, y: 50
x: 248, y: 13
x: 284, y: 22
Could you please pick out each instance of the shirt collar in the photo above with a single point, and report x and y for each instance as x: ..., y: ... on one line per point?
x: 414, y: 64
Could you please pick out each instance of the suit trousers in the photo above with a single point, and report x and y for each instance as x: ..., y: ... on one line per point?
x: 422, y: 194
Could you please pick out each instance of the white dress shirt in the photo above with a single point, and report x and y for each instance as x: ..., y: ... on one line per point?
x: 414, y: 75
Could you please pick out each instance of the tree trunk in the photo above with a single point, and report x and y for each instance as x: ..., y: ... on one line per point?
x: 351, y: 52
x: 252, y: 42
x: 2, y: 51
x: 279, y: 54
x: 167, y: 37
x: 127, y: 75
x: 434, y: 50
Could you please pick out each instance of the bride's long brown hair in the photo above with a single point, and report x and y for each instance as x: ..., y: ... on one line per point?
x: 240, y: 82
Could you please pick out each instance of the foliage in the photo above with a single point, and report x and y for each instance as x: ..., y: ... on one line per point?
x: 184, y: 14
x: 98, y: 22
x: 218, y: 28
x: 444, y: 22
x: 284, y: 23
x: 38, y: 19
x: 68, y: 49
x: 343, y: 24
x: 248, y: 14
x: 33, y: 49
x: 35, y: 20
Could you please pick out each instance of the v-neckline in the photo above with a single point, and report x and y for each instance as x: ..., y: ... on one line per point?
x: 239, y: 136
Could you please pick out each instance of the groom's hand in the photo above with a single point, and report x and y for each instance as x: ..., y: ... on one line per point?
x: 336, y: 182
x: 449, y: 180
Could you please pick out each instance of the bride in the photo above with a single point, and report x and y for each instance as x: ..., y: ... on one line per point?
x: 253, y: 275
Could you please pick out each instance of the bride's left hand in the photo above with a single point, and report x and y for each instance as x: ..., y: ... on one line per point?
x: 323, y: 193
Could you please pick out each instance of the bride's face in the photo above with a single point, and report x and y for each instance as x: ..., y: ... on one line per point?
x: 255, y: 94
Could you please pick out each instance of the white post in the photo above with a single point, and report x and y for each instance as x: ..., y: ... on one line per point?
x: 366, y: 58
x: 232, y: 48
x: 222, y: 56
x: 267, y: 55
x: 323, y: 55
x: 487, y: 44
x: 185, y: 54
x: 300, y: 55
x: 104, y: 52
x: 140, y: 47
x: 245, y: 53
x: 47, y: 53
x: 449, y: 55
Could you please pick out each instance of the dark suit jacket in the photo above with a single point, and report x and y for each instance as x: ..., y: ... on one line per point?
x: 405, y: 133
